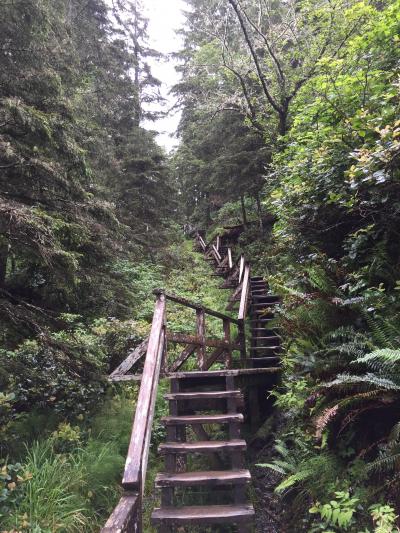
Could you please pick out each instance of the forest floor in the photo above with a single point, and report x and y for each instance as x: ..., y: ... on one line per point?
x: 267, y: 503
x: 75, y: 468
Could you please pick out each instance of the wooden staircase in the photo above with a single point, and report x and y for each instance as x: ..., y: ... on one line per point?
x: 203, y: 486
x: 193, y: 404
x: 265, y: 345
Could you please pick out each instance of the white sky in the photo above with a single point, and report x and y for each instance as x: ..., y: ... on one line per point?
x: 165, y: 17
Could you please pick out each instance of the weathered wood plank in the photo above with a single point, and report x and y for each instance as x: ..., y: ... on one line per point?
x: 230, y: 261
x: 245, y: 293
x: 187, y: 352
x: 124, y: 517
x: 217, y: 255
x: 132, y: 358
x: 181, y: 338
x: 136, y: 461
x: 201, y: 334
x: 223, y: 373
x: 213, y: 357
x: 227, y: 338
x: 126, y: 377
x: 193, y: 305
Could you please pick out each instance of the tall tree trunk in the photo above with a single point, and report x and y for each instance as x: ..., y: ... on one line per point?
x: 136, y: 53
x: 3, y: 261
x: 244, y: 215
x: 283, y: 118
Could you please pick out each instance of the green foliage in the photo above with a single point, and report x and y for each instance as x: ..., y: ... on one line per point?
x: 384, y: 518
x: 338, y: 513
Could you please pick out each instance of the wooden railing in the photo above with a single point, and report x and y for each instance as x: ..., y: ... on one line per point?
x: 127, y: 516
x: 238, y: 274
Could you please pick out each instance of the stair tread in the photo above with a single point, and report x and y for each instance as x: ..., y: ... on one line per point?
x: 265, y: 347
x: 203, y: 419
x: 267, y: 358
x: 203, y: 514
x: 268, y: 337
x: 218, y: 373
x: 202, y: 445
x: 204, y: 477
x: 203, y: 395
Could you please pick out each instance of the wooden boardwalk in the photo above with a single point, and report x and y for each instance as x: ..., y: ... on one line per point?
x: 205, y: 479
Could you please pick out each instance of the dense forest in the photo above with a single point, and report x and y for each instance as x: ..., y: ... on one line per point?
x: 290, y: 126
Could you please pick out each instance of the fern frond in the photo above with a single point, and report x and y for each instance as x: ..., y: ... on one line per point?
x: 384, y: 464
x: 384, y: 333
x: 395, y: 432
x: 319, y: 279
x: 344, y: 381
x: 274, y: 467
x: 382, y: 360
x: 324, y: 419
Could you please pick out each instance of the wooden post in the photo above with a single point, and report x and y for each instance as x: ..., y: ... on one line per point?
x: 201, y: 334
x: 242, y: 341
x: 230, y: 262
x: 227, y: 338
x: 241, y: 268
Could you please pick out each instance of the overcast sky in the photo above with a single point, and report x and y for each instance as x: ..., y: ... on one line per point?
x: 165, y: 17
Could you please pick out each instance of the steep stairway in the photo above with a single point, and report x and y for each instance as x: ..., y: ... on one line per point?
x: 204, y: 456
x: 265, y: 342
x: 217, y: 382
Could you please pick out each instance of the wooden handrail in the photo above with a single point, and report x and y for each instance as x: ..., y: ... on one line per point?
x: 230, y: 262
x: 196, y: 306
x: 245, y: 293
x: 241, y: 268
x: 127, y: 515
x: 136, y: 461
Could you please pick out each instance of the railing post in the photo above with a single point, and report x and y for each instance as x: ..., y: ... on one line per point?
x: 230, y: 262
x: 242, y: 340
x: 241, y: 268
x: 227, y: 338
x: 201, y: 334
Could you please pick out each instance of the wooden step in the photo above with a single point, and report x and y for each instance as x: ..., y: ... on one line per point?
x: 202, y: 446
x: 267, y: 319
x: 231, y: 372
x: 263, y: 304
x: 269, y: 338
x: 260, y: 359
x: 203, y: 514
x: 206, y: 477
x: 210, y: 395
x: 256, y: 278
x: 265, y: 347
x: 260, y: 298
x: 201, y: 419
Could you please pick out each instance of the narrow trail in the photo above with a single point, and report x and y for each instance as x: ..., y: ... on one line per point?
x: 217, y: 382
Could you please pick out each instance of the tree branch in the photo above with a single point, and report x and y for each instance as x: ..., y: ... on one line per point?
x: 250, y: 46
x: 269, y: 48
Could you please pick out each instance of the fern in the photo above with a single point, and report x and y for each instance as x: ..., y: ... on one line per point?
x: 384, y: 360
x: 319, y: 279
x: 384, y: 333
x: 305, y: 473
x: 344, y: 382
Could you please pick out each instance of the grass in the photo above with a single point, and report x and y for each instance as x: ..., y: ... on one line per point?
x: 77, y: 489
